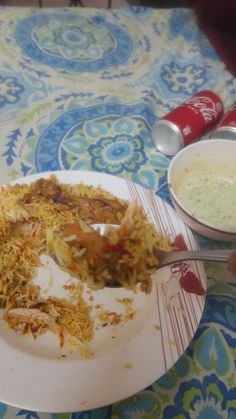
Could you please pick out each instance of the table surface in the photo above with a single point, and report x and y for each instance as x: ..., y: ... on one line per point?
x: 62, y: 72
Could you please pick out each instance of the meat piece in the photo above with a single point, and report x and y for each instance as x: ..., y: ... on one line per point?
x: 45, y: 188
x: 94, y: 210
x: 90, y: 209
x: 30, y: 315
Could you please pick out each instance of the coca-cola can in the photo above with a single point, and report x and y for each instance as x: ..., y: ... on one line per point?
x: 188, y: 122
x: 226, y: 129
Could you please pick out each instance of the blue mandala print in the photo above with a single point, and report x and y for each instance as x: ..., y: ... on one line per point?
x: 187, y: 79
x: 207, y: 400
x: 114, y: 155
x: 3, y: 409
x: 211, y: 351
x: 108, y: 137
x: 222, y: 311
x: 101, y: 413
x: 28, y: 414
x: 10, y: 90
x: 104, y: 134
x: 79, y: 44
x: 207, y: 50
x: 180, y: 23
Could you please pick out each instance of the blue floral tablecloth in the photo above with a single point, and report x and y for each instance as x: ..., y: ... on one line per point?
x: 81, y: 89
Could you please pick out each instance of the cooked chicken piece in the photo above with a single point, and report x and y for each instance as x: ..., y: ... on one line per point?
x: 94, y: 210
x: 31, y: 315
x: 44, y: 188
x: 90, y: 209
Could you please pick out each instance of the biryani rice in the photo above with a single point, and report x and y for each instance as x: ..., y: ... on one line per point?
x: 33, y: 218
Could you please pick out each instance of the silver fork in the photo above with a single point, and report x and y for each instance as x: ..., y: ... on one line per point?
x: 168, y: 258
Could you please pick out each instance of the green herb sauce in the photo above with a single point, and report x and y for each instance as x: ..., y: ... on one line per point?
x: 209, y: 193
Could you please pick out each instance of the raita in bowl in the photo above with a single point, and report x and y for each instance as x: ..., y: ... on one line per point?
x: 202, y: 185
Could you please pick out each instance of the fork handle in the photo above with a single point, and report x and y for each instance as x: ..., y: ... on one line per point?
x: 210, y: 255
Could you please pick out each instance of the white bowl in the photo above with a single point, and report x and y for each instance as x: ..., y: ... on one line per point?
x: 198, y: 164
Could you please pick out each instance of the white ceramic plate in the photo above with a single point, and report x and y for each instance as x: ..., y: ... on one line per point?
x: 127, y: 357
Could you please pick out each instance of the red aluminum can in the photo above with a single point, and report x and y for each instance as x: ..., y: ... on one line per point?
x: 226, y: 129
x: 188, y: 122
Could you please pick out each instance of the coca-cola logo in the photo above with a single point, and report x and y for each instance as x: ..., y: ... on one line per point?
x: 206, y: 106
